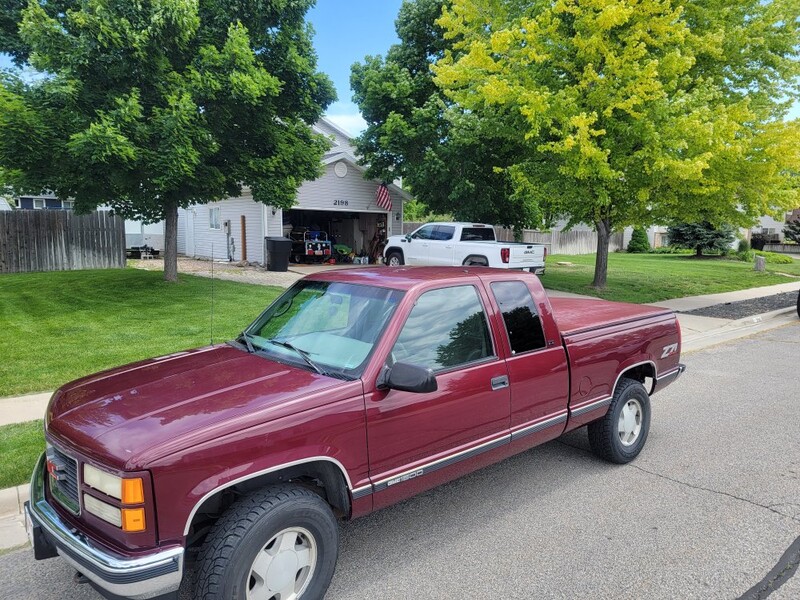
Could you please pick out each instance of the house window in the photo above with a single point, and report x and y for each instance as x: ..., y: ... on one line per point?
x: 38, y: 203
x: 213, y: 218
x: 68, y: 204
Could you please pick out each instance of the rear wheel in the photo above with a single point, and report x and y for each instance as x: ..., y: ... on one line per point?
x: 620, y: 435
x: 394, y: 259
x: 798, y: 304
x: 474, y: 261
x: 280, y: 543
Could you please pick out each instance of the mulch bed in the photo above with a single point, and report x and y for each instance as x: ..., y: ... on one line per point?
x: 747, y: 308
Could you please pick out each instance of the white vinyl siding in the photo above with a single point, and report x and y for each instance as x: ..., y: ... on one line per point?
x: 182, y: 231
x: 229, y: 210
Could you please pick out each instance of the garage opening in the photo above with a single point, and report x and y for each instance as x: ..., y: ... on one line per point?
x: 353, y: 237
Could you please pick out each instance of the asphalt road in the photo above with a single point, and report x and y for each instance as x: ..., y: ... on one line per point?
x: 710, y: 509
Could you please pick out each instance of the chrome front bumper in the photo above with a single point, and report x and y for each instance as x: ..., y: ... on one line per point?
x: 152, y: 576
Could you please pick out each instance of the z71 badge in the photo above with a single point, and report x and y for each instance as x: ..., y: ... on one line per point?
x: 669, y: 350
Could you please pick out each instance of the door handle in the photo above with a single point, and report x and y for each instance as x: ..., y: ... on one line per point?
x: 498, y: 383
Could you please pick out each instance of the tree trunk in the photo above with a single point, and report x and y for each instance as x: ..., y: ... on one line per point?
x: 698, y: 251
x: 171, y: 243
x: 601, y: 262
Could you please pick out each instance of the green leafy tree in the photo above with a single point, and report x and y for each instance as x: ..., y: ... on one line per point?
x: 633, y: 113
x: 452, y: 159
x: 639, y: 242
x: 152, y: 106
x: 701, y: 237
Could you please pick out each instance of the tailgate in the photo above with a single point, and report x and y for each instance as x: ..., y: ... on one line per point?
x: 526, y: 255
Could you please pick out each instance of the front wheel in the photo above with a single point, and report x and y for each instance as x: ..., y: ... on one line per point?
x: 394, y: 259
x: 280, y: 543
x: 620, y: 435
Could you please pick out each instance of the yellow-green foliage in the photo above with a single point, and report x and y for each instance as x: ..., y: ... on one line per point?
x: 637, y: 111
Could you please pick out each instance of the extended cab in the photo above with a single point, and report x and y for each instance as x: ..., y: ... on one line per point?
x: 354, y: 390
x: 459, y: 244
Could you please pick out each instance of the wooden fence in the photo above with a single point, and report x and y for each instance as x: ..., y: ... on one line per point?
x: 59, y: 240
x: 557, y: 242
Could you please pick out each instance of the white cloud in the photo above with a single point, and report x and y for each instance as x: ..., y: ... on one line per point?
x: 347, y: 116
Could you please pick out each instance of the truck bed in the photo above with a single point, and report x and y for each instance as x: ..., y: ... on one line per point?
x: 576, y: 315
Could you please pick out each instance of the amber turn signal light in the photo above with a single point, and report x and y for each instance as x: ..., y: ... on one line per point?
x: 133, y: 519
x: 132, y: 491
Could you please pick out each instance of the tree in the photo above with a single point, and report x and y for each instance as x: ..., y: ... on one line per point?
x: 451, y: 159
x: 635, y: 113
x: 152, y: 106
x: 792, y: 231
x: 701, y: 237
x: 639, y: 242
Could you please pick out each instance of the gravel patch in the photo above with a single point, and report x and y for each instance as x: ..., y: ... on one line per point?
x: 747, y: 308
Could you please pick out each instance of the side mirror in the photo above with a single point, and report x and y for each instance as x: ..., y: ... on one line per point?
x: 406, y: 377
x: 408, y: 237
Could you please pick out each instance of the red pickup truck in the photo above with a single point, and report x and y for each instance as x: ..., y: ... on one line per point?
x: 354, y: 390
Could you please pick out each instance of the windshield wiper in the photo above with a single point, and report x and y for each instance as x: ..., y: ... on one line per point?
x: 246, y: 337
x: 301, y: 353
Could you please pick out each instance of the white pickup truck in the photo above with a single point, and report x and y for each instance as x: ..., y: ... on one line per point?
x: 456, y: 244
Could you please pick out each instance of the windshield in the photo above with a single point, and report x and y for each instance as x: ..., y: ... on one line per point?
x: 327, y: 326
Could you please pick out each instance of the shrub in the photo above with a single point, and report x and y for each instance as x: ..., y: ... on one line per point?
x: 744, y: 245
x: 774, y: 258
x: 639, y: 242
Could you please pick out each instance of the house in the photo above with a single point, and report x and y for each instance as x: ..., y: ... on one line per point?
x: 341, y: 203
x: 772, y: 229
x: 4, y: 205
x: 47, y: 201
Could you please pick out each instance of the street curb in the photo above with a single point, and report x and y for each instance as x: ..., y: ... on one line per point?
x: 741, y: 328
x: 12, y: 500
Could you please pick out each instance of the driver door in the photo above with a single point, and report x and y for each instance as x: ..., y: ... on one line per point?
x: 419, y: 440
x: 417, y: 250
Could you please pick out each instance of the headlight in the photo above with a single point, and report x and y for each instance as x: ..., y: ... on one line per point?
x: 129, y: 491
x: 98, y: 508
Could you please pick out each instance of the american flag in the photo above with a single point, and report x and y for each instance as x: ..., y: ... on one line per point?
x: 382, y: 197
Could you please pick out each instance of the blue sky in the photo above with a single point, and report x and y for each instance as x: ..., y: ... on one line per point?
x: 345, y: 33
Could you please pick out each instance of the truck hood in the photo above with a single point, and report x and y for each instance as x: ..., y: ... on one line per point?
x: 134, y: 414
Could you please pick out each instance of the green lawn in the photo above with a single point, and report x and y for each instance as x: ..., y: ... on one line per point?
x: 59, y: 326
x: 645, y: 278
x: 20, y: 446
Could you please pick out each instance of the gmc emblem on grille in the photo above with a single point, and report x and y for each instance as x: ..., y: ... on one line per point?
x: 56, y: 468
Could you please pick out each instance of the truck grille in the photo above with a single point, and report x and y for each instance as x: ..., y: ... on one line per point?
x: 63, y: 471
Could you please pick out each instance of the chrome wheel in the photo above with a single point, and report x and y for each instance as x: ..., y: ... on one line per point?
x: 394, y: 261
x: 629, y: 425
x: 284, y: 567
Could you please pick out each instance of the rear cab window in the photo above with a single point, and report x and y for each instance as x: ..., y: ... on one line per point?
x: 522, y: 321
x: 477, y: 234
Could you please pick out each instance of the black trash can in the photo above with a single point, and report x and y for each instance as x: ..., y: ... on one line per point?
x: 278, y: 251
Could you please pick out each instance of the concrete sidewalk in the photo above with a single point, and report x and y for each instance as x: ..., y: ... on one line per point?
x: 697, y: 333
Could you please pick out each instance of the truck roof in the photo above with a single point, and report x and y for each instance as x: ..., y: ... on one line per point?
x: 405, y: 278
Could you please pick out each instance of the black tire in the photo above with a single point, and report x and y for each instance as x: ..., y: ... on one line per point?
x: 396, y: 256
x: 475, y: 262
x: 605, y: 438
x: 798, y: 304
x: 227, y: 558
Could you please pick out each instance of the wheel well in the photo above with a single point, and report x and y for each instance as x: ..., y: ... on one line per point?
x: 395, y: 249
x: 321, y: 477
x: 640, y: 373
x: 476, y: 257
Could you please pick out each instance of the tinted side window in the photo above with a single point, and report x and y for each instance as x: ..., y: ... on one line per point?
x: 446, y: 328
x: 425, y: 233
x: 523, y: 325
x: 444, y: 233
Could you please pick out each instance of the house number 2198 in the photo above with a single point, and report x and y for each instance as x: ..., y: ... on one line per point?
x: 341, y: 203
